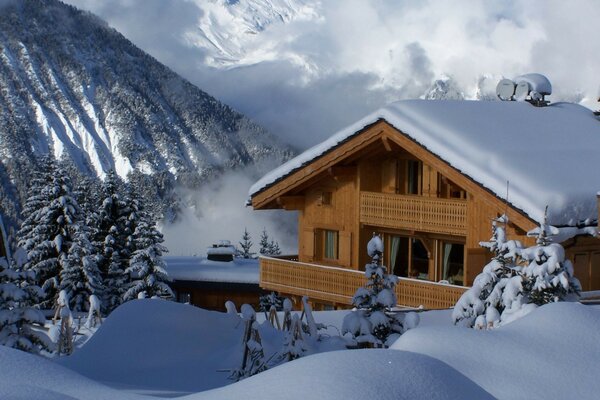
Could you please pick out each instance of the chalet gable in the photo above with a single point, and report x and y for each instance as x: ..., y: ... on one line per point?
x: 546, y: 153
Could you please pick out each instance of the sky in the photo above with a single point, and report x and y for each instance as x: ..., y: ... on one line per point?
x: 337, y: 60
x: 307, y: 68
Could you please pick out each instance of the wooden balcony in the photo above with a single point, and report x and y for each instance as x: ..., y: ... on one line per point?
x: 448, y: 216
x: 337, y: 285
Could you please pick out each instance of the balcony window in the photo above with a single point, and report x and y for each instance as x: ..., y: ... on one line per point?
x: 452, y: 262
x: 408, y: 257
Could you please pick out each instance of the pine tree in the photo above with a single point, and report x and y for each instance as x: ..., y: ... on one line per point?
x: 548, y: 276
x: 47, y: 234
x: 373, y: 322
x: 497, y: 287
x: 264, y: 243
x: 246, y: 246
x: 274, y: 249
x: 506, y: 290
x: 80, y: 276
x: 20, y: 323
x: 146, y: 265
x: 112, y: 241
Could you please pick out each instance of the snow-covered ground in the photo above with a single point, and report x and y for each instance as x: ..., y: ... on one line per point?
x: 154, y: 347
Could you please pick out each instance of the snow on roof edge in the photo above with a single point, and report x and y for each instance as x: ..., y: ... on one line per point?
x: 411, y: 117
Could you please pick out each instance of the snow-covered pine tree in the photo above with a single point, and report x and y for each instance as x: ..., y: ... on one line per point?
x: 49, y: 233
x: 548, y: 276
x: 19, y: 321
x: 246, y: 245
x: 80, y: 277
x: 373, y: 322
x: 264, y: 243
x: 274, y: 249
x: 146, y: 266
x: 497, y: 287
x: 112, y: 241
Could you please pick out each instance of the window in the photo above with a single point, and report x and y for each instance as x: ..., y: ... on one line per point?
x: 452, y: 262
x: 449, y: 189
x: 409, y: 177
x: 326, y: 198
x: 408, y: 257
x: 327, y: 242
x: 413, y: 177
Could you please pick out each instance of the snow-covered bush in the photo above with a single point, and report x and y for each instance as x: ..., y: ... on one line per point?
x: 374, y: 322
x: 253, y: 357
x: 517, y: 280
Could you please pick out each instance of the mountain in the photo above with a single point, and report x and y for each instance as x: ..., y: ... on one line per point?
x: 76, y: 88
x: 229, y: 30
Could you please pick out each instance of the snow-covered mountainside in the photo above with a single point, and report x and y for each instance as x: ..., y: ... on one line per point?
x: 72, y: 86
x: 229, y: 30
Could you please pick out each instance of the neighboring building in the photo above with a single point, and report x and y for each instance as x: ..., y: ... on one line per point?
x: 209, y: 284
x: 430, y: 176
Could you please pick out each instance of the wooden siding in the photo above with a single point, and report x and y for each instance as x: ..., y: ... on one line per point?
x: 426, y: 214
x: 338, y: 285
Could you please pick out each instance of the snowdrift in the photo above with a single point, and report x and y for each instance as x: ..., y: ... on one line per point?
x: 26, y: 376
x: 156, y: 344
x: 354, y: 374
x: 551, y: 353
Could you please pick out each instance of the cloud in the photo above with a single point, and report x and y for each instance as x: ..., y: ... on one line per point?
x: 345, y: 58
x: 217, y: 212
x: 354, y: 56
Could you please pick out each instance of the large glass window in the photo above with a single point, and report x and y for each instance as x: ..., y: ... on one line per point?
x: 408, y: 257
x: 452, y: 262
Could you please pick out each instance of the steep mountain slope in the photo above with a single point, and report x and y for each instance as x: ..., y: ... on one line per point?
x: 229, y: 30
x: 73, y: 87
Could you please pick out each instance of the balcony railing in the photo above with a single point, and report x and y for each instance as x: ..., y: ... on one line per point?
x: 337, y: 285
x: 448, y: 216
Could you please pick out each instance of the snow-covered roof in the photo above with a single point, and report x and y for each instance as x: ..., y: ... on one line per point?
x: 203, y: 270
x: 549, y: 154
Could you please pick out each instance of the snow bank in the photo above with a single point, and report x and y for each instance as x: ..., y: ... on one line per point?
x: 162, y: 345
x: 354, y: 374
x: 26, y: 376
x: 551, y: 353
x: 546, y: 153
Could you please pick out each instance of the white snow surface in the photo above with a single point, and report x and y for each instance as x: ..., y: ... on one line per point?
x: 549, y: 354
x: 169, y: 349
x: 548, y: 154
x: 240, y: 270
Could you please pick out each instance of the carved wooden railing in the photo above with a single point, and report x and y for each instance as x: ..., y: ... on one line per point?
x: 337, y: 285
x: 425, y: 214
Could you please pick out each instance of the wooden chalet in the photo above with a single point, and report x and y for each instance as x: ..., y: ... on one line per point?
x: 429, y: 176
